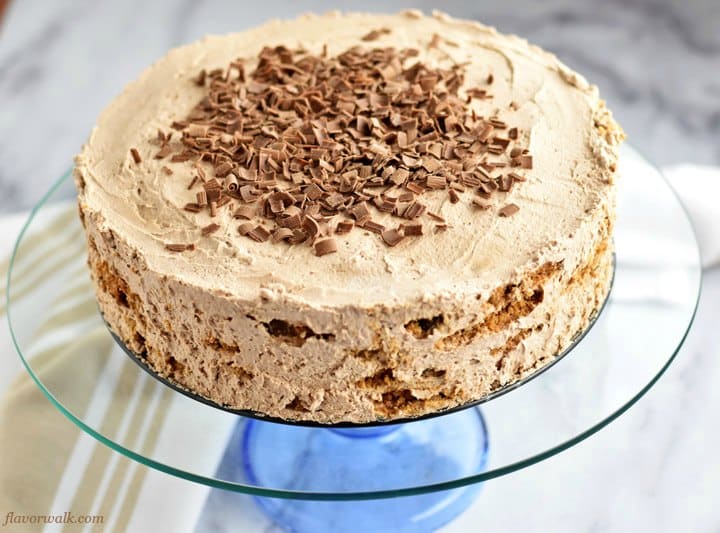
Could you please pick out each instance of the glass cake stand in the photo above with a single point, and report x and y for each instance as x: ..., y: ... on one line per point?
x: 350, y: 478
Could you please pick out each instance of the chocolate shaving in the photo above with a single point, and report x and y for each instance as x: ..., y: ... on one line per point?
x: 281, y: 234
x: 325, y: 246
x: 495, y: 149
x: 231, y: 183
x: 244, y: 211
x: 480, y: 204
x: 414, y: 210
x: 392, y: 236
x: 414, y: 187
x: 292, y: 222
x: 375, y: 34
x: 373, y: 226
x: 210, y: 228
x: 223, y: 169
x: 259, y: 234
x: 414, y: 229
x: 245, y: 228
x: 505, y: 183
x: 509, y: 210
x: 136, y: 156
x: 399, y: 176
x: 344, y: 226
x: 436, y: 182
x: 179, y: 247
x: 360, y: 212
x: 311, y: 227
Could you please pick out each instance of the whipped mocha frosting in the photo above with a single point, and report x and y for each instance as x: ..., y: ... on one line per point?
x: 555, y: 109
x: 371, y: 331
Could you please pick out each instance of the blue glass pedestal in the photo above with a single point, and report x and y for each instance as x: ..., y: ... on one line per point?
x: 366, y: 459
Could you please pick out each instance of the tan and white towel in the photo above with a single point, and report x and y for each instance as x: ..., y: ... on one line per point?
x: 48, y: 465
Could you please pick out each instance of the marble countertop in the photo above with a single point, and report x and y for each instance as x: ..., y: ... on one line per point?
x: 656, y: 63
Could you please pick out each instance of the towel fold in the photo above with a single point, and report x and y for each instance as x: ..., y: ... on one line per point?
x: 699, y: 189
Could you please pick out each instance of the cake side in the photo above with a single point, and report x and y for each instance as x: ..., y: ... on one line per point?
x: 392, y: 363
x: 300, y: 364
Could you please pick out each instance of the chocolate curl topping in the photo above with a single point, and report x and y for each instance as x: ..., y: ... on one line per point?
x: 306, y: 146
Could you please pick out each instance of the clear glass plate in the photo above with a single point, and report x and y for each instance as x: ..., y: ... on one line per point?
x: 634, y: 340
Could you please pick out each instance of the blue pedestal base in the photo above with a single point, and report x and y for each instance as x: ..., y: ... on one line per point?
x: 367, y: 459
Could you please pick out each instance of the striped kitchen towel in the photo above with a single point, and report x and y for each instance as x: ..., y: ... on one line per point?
x: 48, y: 465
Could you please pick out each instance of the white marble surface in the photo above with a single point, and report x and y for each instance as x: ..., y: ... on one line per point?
x: 656, y: 62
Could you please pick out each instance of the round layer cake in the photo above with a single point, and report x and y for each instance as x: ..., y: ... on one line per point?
x: 351, y: 217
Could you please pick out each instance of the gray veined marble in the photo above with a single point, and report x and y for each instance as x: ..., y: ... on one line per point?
x: 61, y: 62
x: 657, y: 63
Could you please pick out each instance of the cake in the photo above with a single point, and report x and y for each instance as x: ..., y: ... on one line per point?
x: 351, y: 217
